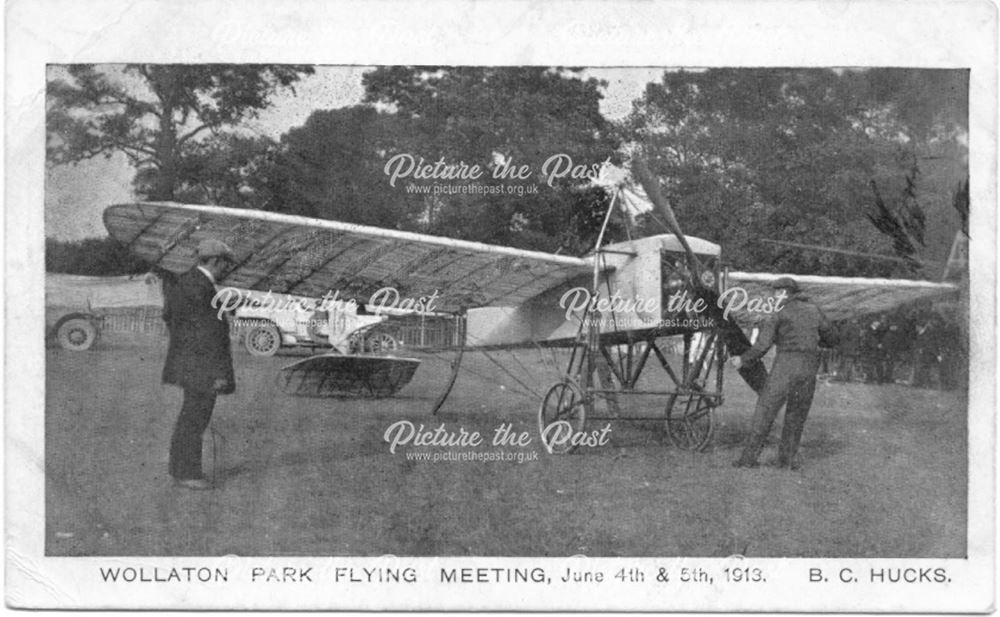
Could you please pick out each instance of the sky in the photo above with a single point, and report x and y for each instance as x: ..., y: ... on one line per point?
x: 76, y: 195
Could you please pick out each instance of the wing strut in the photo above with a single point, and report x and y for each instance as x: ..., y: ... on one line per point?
x: 600, y: 238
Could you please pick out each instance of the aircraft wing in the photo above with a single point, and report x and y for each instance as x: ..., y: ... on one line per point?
x: 843, y: 297
x: 313, y: 257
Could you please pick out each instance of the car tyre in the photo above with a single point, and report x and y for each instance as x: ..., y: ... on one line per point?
x: 77, y: 334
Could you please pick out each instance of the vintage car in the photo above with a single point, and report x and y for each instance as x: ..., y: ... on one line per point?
x: 77, y: 308
x: 267, y: 321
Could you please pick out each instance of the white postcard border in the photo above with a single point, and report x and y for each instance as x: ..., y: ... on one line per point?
x: 778, y: 33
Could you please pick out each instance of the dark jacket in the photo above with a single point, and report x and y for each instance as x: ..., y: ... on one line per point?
x: 850, y: 338
x: 799, y: 326
x: 199, y: 351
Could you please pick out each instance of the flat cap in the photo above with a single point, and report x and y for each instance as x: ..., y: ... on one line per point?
x: 210, y: 247
x: 786, y: 282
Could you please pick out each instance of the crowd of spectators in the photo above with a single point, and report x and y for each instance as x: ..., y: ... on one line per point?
x: 920, y: 346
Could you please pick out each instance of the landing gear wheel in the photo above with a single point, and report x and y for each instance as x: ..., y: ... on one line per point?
x: 263, y: 341
x: 76, y: 334
x: 563, y: 402
x: 690, y: 422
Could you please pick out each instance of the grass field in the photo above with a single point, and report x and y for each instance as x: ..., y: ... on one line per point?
x: 884, y: 472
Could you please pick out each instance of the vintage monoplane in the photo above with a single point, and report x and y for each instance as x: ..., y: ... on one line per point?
x: 612, y: 310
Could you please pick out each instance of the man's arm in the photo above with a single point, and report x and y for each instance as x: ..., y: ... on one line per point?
x: 765, y: 338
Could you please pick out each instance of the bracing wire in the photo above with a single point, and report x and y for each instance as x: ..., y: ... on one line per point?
x: 507, y: 371
x: 441, y: 356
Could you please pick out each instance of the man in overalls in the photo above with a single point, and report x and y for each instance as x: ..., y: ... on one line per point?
x: 796, y: 330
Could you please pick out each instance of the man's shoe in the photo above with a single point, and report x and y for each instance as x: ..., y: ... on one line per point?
x: 195, y: 484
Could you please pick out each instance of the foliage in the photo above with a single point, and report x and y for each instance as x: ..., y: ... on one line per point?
x: 789, y: 155
x: 905, y: 225
x: 224, y: 169
x: 331, y: 168
x: 153, y: 112
x: 487, y: 115
x: 92, y: 257
x: 932, y: 104
x: 864, y: 161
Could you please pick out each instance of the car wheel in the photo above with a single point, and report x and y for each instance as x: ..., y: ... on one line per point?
x: 263, y: 340
x: 76, y: 334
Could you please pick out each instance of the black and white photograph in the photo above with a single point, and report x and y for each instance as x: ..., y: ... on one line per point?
x: 388, y: 329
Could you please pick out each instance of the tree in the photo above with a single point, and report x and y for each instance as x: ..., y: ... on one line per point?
x: 92, y: 257
x: 331, y: 167
x: 153, y: 113
x: 905, y: 224
x: 783, y: 154
x: 489, y: 116
x: 932, y: 103
x: 224, y: 169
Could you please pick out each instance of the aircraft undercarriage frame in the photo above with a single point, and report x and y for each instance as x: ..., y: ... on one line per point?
x: 687, y: 413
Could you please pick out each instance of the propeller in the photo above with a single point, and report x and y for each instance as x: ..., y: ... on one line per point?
x: 753, y: 373
x: 641, y: 172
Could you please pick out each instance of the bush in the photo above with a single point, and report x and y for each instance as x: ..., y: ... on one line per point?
x: 91, y: 257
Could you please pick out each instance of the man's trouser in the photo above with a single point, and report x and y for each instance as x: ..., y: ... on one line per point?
x: 884, y: 368
x: 185, y: 445
x: 792, y: 383
x: 845, y: 368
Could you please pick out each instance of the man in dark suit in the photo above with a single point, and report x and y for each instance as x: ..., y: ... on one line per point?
x: 850, y: 343
x: 199, y: 359
x: 797, y: 330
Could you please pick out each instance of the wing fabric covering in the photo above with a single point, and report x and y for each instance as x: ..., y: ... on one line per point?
x: 840, y: 297
x: 313, y: 257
